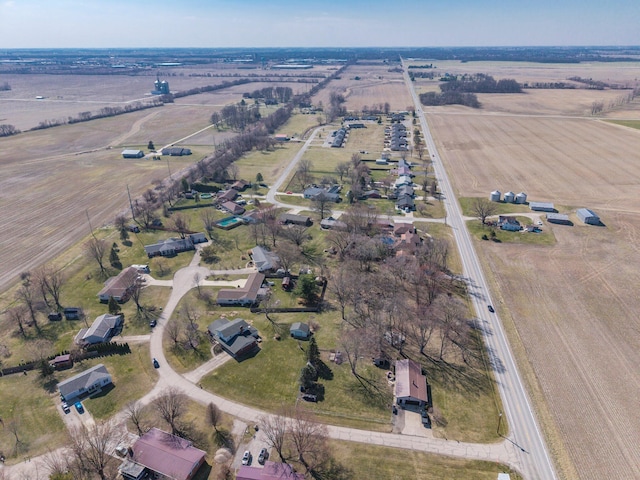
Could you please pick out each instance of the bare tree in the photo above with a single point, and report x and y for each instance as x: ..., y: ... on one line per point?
x: 303, y: 172
x: 483, y: 208
x: 173, y: 329
x: 298, y: 234
x: 18, y: 316
x: 309, y: 438
x: 171, y: 406
x: 274, y: 428
x: 26, y: 295
x: 450, y: 314
x: 96, y: 248
x: 342, y: 169
x: 214, y: 416
x: 136, y: 414
x: 92, y: 446
x: 321, y: 203
x: 14, y: 426
x: 181, y: 225
x: 233, y: 170
x: 50, y: 282
x: 145, y: 211
x: 208, y: 218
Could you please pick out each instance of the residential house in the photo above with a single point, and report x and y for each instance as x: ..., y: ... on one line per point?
x: 264, y: 260
x: 405, y: 203
x: 245, y: 296
x: 271, y: 471
x: 85, y: 383
x: 312, y: 193
x: 233, y: 208
x: 236, y: 337
x: 403, y: 180
x: 330, y: 222
x: 405, y: 190
x: 227, y: 195
x: 411, y: 384
x: 292, y: 219
x: 120, y: 286
x: 370, y: 194
x: 399, y: 228
x: 173, y: 246
x: 300, y: 331
x: 101, y: 330
x: 509, y: 223
x: 159, y: 454
x: 240, y: 185
x: 409, y: 241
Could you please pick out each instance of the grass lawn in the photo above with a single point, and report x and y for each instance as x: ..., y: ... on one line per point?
x: 183, y: 359
x: 501, y: 207
x: 270, y: 378
x: 133, y: 376
x: 31, y: 405
x: 385, y: 463
x: 545, y: 237
x: 626, y: 123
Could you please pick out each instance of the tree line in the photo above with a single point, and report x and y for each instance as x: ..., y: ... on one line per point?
x: 449, y: 98
x: 271, y: 95
x: 479, y: 83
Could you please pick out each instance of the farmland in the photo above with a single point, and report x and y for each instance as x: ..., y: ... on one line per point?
x: 571, y: 304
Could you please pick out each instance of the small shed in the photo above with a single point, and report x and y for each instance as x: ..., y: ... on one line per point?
x: 588, y: 216
x: 62, y: 361
x: 300, y: 331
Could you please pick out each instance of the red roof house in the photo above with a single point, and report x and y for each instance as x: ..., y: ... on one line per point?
x: 165, y: 454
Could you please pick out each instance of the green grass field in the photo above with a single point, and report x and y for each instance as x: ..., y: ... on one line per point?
x: 500, y: 207
x: 626, y: 123
x: 383, y: 463
x: 545, y: 237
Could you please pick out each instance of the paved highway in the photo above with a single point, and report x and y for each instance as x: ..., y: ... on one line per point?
x: 533, y: 457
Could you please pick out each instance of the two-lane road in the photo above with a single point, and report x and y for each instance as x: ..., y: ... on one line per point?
x: 533, y: 457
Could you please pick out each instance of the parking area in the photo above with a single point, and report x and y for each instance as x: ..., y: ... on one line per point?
x: 258, y: 442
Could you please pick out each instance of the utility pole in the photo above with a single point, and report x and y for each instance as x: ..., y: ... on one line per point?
x: 169, y: 167
x: 133, y: 215
x: 89, y: 220
x: 499, y: 423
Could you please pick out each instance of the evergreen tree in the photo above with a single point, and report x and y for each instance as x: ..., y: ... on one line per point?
x: 114, y: 307
x: 313, y: 353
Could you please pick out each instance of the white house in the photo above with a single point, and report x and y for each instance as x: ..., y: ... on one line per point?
x: 101, y: 330
x: 85, y: 383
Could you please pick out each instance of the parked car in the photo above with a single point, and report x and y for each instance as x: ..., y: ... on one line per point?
x: 155, y: 363
x: 263, y: 456
x: 65, y: 407
x: 153, y: 323
x: 79, y: 407
x: 246, y: 458
x: 122, y: 451
x: 310, y: 397
x: 490, y: 308
x: 55, y: 316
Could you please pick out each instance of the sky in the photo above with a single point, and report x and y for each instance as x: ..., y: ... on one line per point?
x: 325, y: 23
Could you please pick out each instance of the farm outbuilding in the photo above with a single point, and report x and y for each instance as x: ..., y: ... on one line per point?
x: 132, y: 154
x: 558, y: 218
x: 542, y: 206
x: 521, y: 198
x: 495, y: 196
x: 588, y: 216
x: 176, y: 151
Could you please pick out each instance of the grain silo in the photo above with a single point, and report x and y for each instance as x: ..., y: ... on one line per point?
x: 509, y: 197
x: 521, y: 198
x: 495, y: 196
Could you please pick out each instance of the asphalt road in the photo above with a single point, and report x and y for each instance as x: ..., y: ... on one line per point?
x: 533, y: 457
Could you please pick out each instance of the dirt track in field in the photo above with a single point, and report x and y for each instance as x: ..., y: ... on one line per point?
x: 574, y: 305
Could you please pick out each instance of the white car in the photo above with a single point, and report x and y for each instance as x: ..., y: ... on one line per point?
x: 539, y: 222
x: 246, y: 457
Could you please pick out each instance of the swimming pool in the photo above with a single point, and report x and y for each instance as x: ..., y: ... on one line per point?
x: 229, y: 222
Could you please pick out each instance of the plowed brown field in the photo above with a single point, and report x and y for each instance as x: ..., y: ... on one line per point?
x: 574, y: 305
